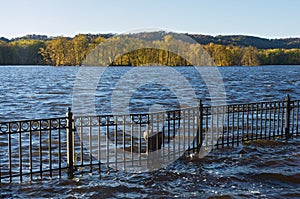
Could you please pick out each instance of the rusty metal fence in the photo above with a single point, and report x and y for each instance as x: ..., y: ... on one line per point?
x: 66, y: 146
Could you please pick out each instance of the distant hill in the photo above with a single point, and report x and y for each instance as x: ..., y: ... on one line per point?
x: 31, y: 37
x: 45, y: 37
x: 236, y: 40
x: 244, y: 41
x: 4, y: 39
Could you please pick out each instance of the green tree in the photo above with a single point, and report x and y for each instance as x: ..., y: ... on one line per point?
x: 24, y: 52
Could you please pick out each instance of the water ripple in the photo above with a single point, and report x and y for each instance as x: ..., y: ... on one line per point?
x: 260, y: 169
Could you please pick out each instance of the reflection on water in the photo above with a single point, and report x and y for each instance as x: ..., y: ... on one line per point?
x: 261, y: 169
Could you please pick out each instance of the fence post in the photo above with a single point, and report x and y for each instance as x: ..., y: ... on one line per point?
x: 200, y: 126
x: 287, y: 116
x: 70, y: 132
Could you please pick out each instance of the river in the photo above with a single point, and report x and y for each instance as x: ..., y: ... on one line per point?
x: 260, y: 169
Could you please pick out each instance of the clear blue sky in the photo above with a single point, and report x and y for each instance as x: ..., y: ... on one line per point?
x: 265, y: 18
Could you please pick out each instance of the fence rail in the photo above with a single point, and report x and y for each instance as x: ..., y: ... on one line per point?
x: 31, y: 149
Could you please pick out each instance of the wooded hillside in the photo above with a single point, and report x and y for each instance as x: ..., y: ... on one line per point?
x: 225, y: 51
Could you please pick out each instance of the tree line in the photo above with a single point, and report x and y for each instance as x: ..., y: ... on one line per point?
x: 244, y: 40
x: 65, y: 51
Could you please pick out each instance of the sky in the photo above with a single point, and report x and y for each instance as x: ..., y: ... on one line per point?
x: 263, y: 18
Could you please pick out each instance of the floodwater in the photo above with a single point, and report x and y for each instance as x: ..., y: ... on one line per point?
x: 259, y: 169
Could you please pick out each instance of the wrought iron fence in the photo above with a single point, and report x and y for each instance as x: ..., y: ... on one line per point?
x: 44, y: 148
x: 32, y: 148
x: 246, y: 122
x: 125, y: 142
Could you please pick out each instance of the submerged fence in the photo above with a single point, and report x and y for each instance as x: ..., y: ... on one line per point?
x: 33, y: 149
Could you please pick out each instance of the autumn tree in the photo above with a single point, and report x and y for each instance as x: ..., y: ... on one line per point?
x: 250, y: 57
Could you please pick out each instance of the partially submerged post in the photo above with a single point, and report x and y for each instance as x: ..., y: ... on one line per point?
x: 70, y: 144
x: 154, y: 140
x: 200, y: 127
x: 287, y: 116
